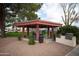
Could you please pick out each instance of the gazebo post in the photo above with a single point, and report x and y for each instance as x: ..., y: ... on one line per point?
x: 37, y: 32
x: 27, y: 31
x: 53, y: 35
x: 48, y: 32
x: 23, y: 30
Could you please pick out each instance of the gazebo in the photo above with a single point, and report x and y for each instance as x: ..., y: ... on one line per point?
x: 37, y: 24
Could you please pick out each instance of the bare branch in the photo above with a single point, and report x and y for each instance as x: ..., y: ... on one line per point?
x: 70, y: 14
x: 64, y: 10
x: 74, y: 18
x: 63, y: 19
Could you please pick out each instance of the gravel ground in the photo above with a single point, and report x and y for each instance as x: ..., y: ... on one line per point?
x: 13, y: 47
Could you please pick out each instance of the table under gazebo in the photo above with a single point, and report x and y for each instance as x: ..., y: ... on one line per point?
x: 37, y: 24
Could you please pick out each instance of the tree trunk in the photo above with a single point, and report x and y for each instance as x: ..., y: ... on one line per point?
x: 2, y: 20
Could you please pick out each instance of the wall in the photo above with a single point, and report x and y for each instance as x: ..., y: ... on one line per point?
x: 66, y: 41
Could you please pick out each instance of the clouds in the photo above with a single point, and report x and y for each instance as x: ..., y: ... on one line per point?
x: 50, y: 12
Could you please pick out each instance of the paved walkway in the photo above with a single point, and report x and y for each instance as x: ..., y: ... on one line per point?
x: 13, y: 47
x: 74, y: 52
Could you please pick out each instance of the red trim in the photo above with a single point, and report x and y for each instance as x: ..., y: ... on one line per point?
x: 35, y: 22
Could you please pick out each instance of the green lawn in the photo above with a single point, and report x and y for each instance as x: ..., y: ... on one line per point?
x: 13, y: 34
x: 16, y: 34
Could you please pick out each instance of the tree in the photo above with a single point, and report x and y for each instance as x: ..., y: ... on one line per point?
x: 22, y: 10
x: 70, y: 14
x: 26, y: 10
x: 2, y: 19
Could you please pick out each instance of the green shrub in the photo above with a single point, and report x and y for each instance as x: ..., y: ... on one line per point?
x: 31, y: 42
x: 44, y: 32
x: 68, y: 29
x: 31, y: 39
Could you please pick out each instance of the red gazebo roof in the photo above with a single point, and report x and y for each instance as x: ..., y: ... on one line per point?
x: 33, y: 23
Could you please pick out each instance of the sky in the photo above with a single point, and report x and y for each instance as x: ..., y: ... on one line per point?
x: 52, y: 12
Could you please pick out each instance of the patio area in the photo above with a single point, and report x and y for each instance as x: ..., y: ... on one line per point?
x: 12, y: 47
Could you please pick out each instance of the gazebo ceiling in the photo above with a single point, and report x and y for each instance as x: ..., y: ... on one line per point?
x: 41, y: 23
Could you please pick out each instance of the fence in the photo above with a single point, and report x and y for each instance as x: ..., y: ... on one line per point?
x: 65, y: 41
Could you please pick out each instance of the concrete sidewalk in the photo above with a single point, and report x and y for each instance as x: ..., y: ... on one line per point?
x: 74, y: 52
x: 13, y: 47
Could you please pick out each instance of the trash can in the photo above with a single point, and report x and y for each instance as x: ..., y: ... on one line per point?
x: 41, y: 38
x: 69, y: 36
